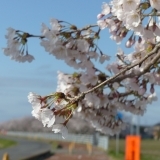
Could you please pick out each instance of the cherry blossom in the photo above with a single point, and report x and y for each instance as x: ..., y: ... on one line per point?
x: 105, y: 9
x: 130, y: 5
x: 60, y: 128
x: 17, y: 46
x: 132, y: 20
x: 155, y: 4
x: 47, y: 117
x: 126, y: 83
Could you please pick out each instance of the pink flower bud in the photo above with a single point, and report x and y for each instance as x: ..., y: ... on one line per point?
x: 99, y: 16
x: 152, y: 88
x: 128, y: 43
x: 139, y: 40
x: 154, y: 26
x: 142, y: 91
x: 133, y: 41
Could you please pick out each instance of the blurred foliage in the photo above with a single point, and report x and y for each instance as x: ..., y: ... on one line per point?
x: 150, y: 149
x: 4, y: 143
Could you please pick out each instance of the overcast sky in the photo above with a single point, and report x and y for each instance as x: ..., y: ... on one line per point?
x: 40, y: 76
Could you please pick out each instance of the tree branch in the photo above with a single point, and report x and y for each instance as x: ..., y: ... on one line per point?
x: 128, y: 68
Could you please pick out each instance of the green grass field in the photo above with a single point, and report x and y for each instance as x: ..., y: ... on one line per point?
x: 150, y: 149
x: 4, y: 143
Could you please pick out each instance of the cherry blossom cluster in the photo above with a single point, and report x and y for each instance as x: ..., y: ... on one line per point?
x: 100, y: 107
x: 48, y: 108
x: 75, y: 46
x: 128, y: 83
x: 122, y: 17
x: 17, y: 46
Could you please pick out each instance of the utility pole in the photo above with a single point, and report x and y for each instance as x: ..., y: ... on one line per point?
x: 117, y: 143
x: 138, y: 125
x: 131, y: 127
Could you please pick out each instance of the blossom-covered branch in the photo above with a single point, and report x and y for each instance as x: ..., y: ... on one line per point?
x: 127, y: 84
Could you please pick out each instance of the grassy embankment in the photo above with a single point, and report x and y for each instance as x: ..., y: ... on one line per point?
x: 150, y: 149
x: 4, y: 143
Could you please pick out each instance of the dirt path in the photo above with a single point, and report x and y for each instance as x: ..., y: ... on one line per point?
x: 79, y: 152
